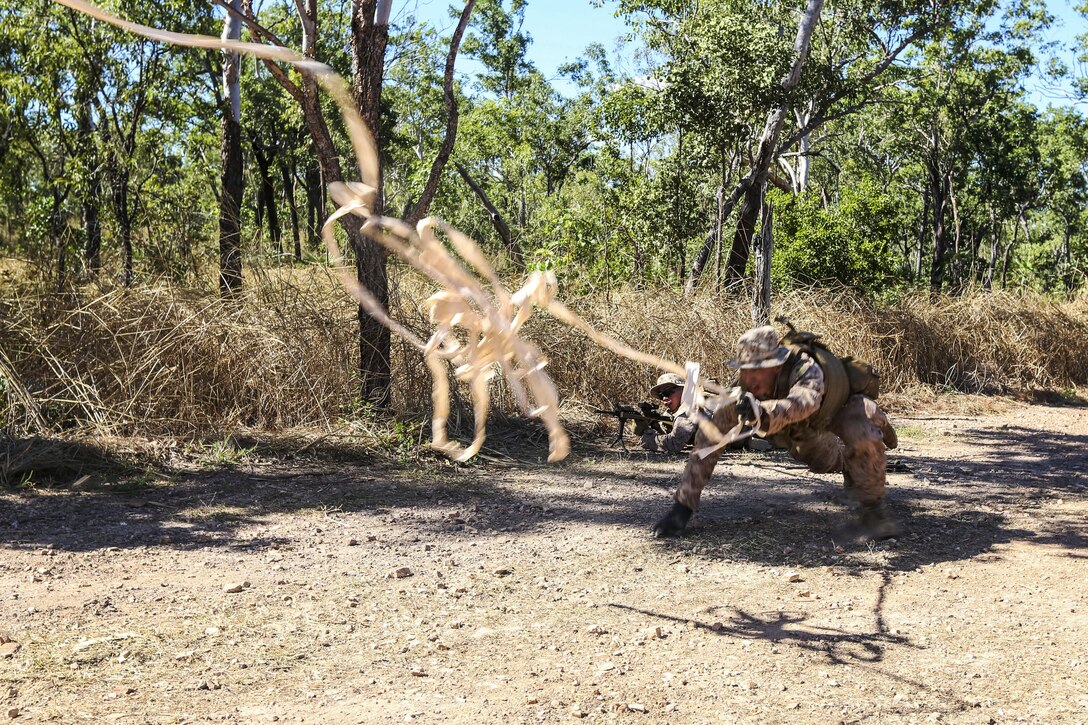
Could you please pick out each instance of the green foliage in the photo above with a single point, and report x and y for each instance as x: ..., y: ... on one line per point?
x: 849, y: 243
x: 612, y: 181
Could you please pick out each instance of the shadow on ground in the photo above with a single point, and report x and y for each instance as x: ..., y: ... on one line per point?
x: 951, y: 509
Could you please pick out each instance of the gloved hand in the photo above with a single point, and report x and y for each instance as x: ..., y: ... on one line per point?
x: 746, y: 410
x: 641, y: 425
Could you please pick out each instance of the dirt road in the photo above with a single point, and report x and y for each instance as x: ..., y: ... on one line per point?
x: 314, y: 592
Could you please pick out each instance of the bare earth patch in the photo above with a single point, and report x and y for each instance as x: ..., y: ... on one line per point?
x: 313, y: 592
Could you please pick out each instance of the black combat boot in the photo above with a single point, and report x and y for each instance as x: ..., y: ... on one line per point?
x: 674, y: 522
x: 875, y: 522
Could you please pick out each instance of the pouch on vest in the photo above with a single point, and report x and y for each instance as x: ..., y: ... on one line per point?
x: 864, y: 378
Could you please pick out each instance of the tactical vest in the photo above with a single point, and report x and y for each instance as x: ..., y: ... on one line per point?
x: 843, y: 376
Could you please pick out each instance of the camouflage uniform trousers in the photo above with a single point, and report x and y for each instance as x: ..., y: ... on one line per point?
x: 852, y: 444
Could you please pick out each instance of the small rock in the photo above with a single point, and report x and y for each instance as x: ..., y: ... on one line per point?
x: 804, y: 594
x: 123, y: 690
x: 184, y: 655
x: 234, y: 588
x: 659, y: 633
x: 577, y: 712
x: 402, y: 573
x: 417, y: 672
x: 795, y: 578
x: 8, y: 649
x: 503, y: 572
x: 353, y: 542
x: 13, y: 712
x: 532, y: 701
x: 211, y: 631
x: 596, y: 629
x: 636, y: 707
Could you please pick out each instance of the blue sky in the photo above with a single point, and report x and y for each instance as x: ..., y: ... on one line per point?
x: 561, y: 29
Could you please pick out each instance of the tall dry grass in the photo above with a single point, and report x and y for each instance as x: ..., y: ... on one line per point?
x: 165, y: 360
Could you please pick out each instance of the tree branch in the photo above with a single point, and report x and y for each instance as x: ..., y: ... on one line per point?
x: 419, y: 209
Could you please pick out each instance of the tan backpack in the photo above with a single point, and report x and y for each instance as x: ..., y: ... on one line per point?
x: 843, y: 376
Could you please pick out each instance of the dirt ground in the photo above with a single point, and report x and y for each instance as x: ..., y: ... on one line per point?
x: 322, y: 592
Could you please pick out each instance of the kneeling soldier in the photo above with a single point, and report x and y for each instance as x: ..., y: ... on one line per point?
x: 840, y: 432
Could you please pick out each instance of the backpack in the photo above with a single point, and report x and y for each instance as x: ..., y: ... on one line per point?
x: 843, y: 376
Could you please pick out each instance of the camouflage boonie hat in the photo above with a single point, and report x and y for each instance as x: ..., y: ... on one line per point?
x: 664, y: 382
x: 759, y: 348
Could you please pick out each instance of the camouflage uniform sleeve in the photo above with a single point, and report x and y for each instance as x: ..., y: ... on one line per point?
x: 682, y: 433
x: 804, y: 398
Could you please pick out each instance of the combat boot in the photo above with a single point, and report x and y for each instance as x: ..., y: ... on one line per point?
x: 673, y: 523
x: 875, y: 522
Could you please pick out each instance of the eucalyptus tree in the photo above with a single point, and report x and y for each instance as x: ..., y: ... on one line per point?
x: 369, y: 23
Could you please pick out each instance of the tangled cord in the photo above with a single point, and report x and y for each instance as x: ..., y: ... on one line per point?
x: 477, y: 319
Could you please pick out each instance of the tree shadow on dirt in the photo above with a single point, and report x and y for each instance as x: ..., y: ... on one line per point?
x: 951, y: 509
x: 859, y: 649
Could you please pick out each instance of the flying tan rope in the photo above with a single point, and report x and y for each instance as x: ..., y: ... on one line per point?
x: 487, y: 316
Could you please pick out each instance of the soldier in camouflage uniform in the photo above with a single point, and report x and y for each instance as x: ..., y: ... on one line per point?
x: 669, y: 389
x: 854, y: 442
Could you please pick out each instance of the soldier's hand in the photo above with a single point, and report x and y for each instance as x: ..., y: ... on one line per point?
x: 746, y: 410
x: 640, y: 426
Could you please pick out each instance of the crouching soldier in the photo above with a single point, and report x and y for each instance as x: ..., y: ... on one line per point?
x: 808, y: 405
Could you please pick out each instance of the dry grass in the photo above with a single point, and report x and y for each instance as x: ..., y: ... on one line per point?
x: 165, y: 360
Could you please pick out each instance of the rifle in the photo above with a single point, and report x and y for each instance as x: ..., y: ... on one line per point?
x: 643, y: 412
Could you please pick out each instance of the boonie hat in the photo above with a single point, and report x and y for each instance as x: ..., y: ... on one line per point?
x: 664, y: 382
x: 759, y: 348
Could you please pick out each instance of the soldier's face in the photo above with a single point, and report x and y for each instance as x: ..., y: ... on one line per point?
x: 672, y: 400
x: 759, y: 381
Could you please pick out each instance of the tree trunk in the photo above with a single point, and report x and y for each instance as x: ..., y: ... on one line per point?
x: 768, y: 146
x: 920, y: 242
x: 761, y: 291
x: 497, y: 221
x: 417, y: 211
x: 991, y: 268
x: 92, y: 226
x: 289, y: 197
x: 230, y: 202
x: 699, y: 265
x: 1022, y: 223
x: 267, y: 195
x: 803, y: 164
x: 369, y: 36
x: 719, y: 223
x: 124, y: 218
x: 1067, y: 258
x: 939, y: 182
x: 315, y: 207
